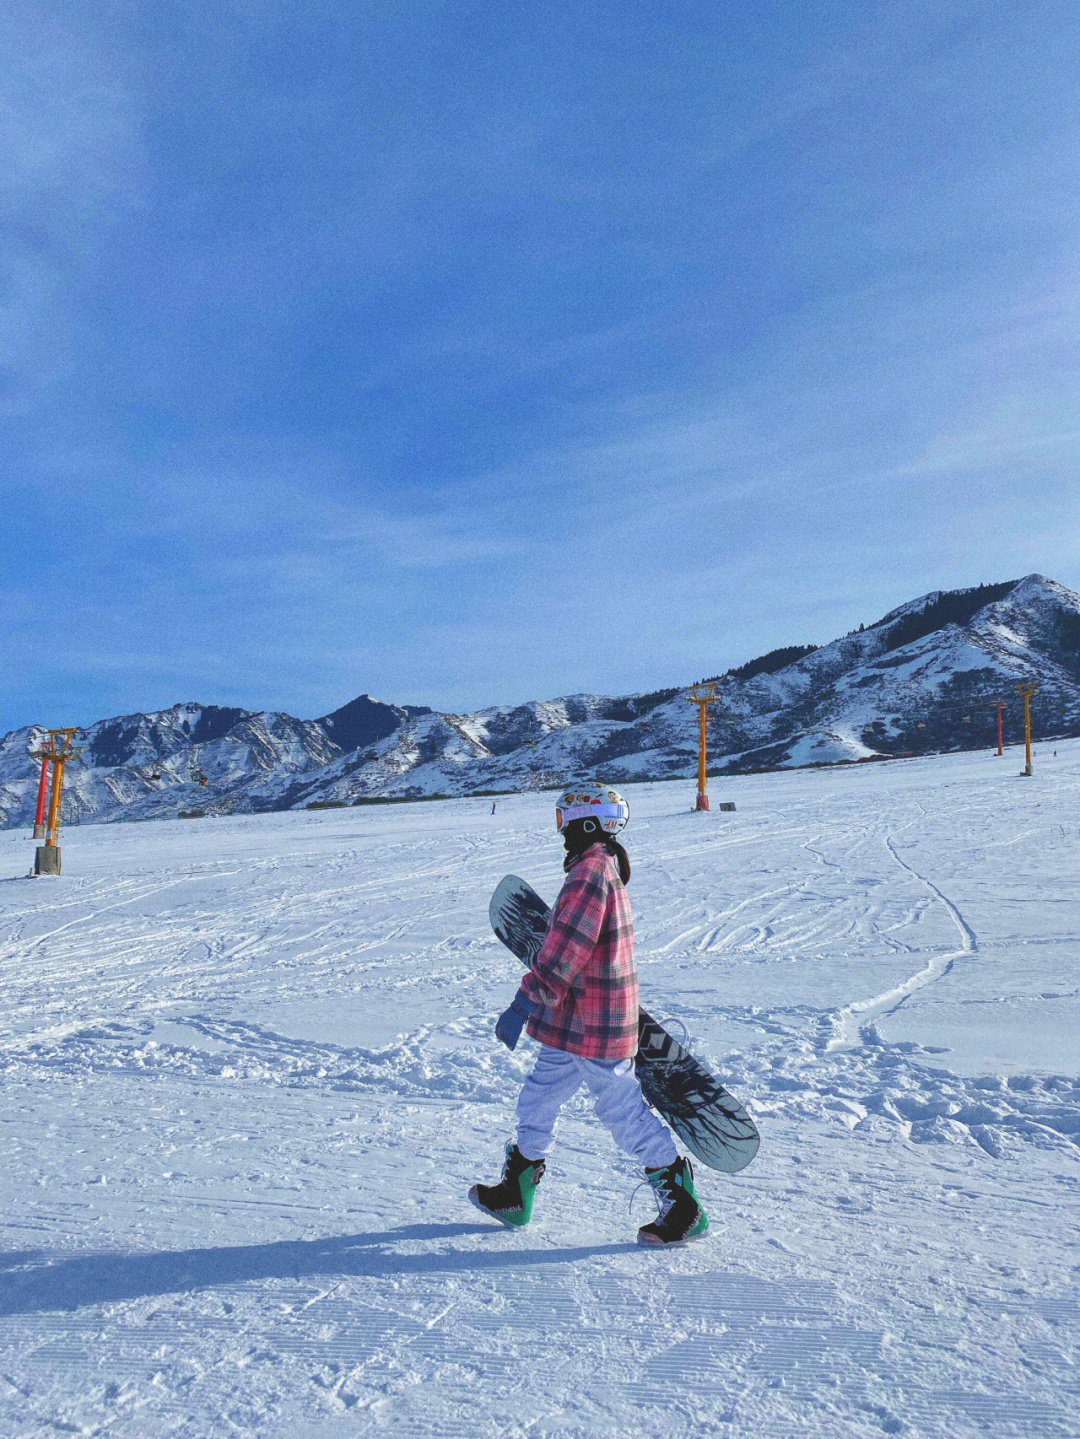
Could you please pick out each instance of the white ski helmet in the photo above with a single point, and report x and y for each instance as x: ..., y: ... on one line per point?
x: 592, y: 801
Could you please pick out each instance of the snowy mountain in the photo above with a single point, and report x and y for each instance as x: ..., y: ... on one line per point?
x: 922, y: 679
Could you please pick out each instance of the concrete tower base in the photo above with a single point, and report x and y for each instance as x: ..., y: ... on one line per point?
x: 47, y: 859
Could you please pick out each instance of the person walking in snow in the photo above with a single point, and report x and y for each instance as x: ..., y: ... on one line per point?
x: 579, y: 1000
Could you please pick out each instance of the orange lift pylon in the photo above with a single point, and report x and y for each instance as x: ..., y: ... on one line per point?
x: 703, y: 698
x: 54, y: 756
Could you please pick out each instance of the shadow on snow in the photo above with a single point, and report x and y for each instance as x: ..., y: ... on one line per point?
x: 32, y: 1283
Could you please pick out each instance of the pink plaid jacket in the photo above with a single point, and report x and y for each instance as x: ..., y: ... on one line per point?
x: 584, y: 976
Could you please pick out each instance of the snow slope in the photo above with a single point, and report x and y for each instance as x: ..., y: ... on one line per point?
x: 249, y: 1076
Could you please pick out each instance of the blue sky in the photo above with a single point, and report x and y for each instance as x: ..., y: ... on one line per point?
x: 469, y: 353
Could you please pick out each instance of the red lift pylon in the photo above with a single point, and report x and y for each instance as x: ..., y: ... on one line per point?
x: 43, y: 782
x: 999, y: 705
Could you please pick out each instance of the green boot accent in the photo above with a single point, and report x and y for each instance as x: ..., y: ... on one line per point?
x: 681, y: 1216
x: 511, y: 1200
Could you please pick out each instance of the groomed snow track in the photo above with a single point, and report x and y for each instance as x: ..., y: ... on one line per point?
x: 249, y: 1076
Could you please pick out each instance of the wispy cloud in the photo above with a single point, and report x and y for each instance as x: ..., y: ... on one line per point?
x: 365, y: 348
x: 72, y: 169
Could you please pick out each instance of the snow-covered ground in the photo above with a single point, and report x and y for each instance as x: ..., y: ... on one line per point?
x: 250, y: 1075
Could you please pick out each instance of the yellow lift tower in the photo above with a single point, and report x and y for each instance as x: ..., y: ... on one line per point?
x: 1026, y: 690
x: 54, y: 756
x: 703, y: 698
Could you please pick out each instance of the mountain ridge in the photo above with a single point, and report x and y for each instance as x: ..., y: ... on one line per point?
x: 921, y: 679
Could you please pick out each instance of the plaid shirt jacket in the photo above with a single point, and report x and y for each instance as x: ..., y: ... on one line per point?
x: 584, y: 976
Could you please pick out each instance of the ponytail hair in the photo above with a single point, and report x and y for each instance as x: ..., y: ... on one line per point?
x: 622, y: 859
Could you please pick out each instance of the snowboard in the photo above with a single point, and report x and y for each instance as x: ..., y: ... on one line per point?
x: 711, y: 1122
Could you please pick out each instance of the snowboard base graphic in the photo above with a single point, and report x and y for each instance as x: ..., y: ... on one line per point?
x: 711, y: 1122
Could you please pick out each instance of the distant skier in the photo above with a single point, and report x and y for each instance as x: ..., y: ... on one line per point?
x: 493, y: 804
x: 580, y: 1000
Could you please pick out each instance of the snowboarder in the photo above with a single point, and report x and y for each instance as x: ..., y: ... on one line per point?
x: 580, y: 1001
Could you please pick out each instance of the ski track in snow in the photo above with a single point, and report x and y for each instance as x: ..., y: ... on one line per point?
x: 857, y: 1018
x: 249, y: 1076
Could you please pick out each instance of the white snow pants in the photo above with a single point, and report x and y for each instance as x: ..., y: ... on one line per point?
x: 620, y: 1106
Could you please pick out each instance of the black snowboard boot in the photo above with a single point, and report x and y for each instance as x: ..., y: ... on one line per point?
x: 511, y: 1200
x: 681, y: 1216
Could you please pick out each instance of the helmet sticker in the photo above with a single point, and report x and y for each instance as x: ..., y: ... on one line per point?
x: 593, y: 801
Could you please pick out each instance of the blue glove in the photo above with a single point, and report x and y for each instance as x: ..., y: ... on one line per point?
x: 509, y: 1024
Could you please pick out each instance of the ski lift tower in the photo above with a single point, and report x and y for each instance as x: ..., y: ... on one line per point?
x: 999, y: 705
x: 703, y: 698
x: 55, y: 755
x: 1026, y: 690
